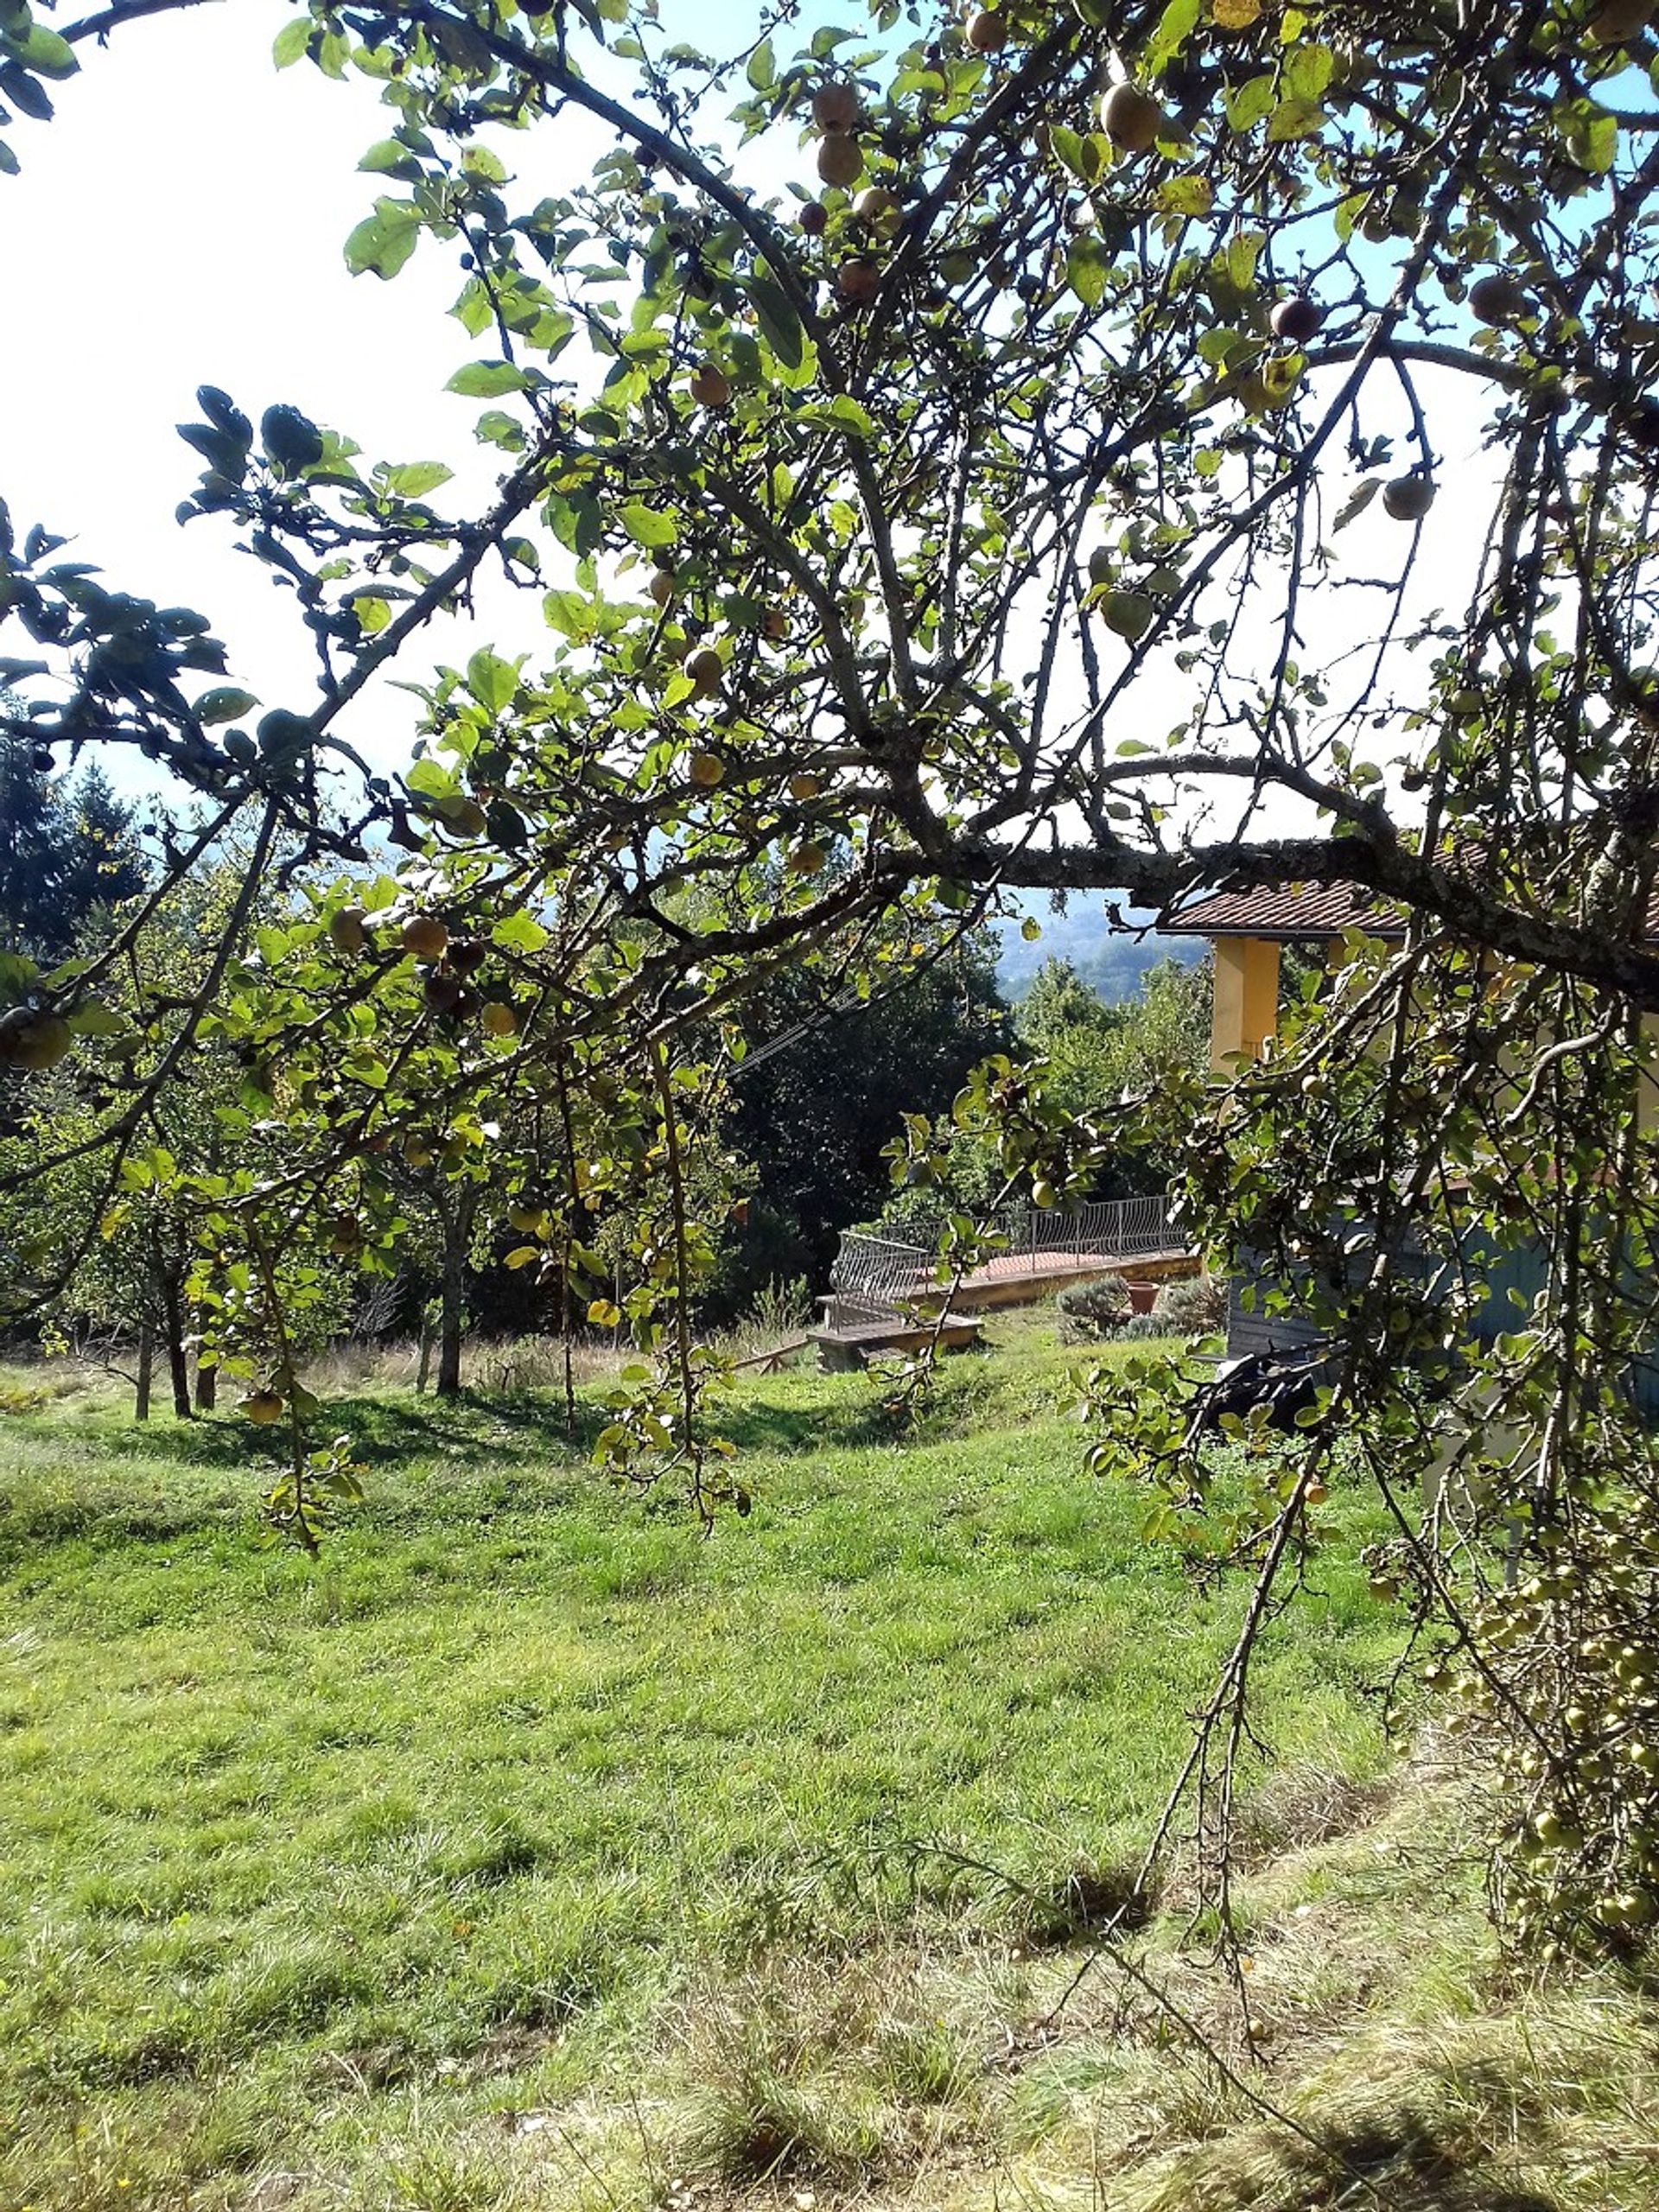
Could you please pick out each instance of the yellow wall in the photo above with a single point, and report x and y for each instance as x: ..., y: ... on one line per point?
x: 1245, y: 1012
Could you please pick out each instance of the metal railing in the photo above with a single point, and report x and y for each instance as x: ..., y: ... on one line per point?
x: 876, y: 1280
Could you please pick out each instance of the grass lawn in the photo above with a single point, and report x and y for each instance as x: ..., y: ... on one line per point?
x: 533, y: 1850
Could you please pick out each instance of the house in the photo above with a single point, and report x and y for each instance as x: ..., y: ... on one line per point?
x: 1247, y: 930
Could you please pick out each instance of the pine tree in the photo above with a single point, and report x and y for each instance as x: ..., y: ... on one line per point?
x: 68, y: 850
x: 103, y: 866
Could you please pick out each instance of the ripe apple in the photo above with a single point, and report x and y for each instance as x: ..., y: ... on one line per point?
x: 346, y: 933
x: 806, y: 858
x: 1297, y: 319
x: 442, y: 992
x: 814, y: 219
x: 467, y: 955
x: 987, y: 32
x: 460, y: 816
x: 878, y: 207
x: 1130, y: 614
x: 711, y: 387
x: 834, y: 107
x: 662, y: 587
x: 707, y: 769
x: 840, y: 159
x: 425, y: 936
x: 1408, y: 498
x: 499, y: 1019
x: 262, y: 1406
x: 859, y: 281
x: 1496, y: 300
x: 804, y: 785
x: 38, y: 1045
x: 1132, y: 119
x: 706, y: 670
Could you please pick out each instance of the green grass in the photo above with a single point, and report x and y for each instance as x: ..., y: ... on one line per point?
x: 532, y: 1848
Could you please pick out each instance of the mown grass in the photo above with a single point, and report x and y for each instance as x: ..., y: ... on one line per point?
x: 531, y: 1849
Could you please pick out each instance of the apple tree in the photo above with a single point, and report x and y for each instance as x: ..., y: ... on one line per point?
x: 1071, y: 445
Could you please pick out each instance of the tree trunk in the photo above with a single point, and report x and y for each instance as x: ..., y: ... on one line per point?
x: 178, y: 1360
x: 457, y: 1236
x: 206, y: 1387
x: 146, y: 1365
x: 425, y: 1375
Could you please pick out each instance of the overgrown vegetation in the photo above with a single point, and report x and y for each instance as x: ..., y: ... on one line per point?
x: 533, y: 1850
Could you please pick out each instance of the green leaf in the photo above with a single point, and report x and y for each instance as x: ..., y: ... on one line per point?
x: 496, y: 427
x: 1186, y: 196
x: 778, y: 321
x: 413, y: 479
x: 850, y: 416
x: 389, y: 158
x: 646, y: 527
x: 519, y: 932
x: 762, y: 71
x: 1083, y: 156
x: 382, y: 242
x: 1356, y: 502
x: 570, y: 613
x: 1308, y: 72
x: 224, y: 703
x: 430, y: 779
x: 1088, y: 264
x: 491, y: 681
x: 1294, y: 119
x: 487, y: 380
x: 1244, y: 249
x: 1593, y: 142
x: 1247, y: 103
x: 44, y: 52
x: 289, y: 44
x: 1175, y: 26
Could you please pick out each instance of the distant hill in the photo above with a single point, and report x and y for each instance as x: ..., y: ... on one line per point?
x: 1110, y: 961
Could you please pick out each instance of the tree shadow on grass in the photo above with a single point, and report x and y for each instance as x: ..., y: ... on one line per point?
x: 1402, y: 2160
x: 846, y: 1424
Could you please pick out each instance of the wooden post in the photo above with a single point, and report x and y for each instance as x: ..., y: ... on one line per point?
x: 146, y: 1367
x: 1244, y: 1014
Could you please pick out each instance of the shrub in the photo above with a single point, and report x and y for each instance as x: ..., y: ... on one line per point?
x: 1096, y: 1309
x: 1191, y: 1307
x: 1139, y: 1326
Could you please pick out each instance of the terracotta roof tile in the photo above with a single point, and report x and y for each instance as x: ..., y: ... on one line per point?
x: 1311, y: 910
x: 1287, y: 909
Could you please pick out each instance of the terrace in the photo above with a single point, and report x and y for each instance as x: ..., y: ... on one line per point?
x: 884, y: 1296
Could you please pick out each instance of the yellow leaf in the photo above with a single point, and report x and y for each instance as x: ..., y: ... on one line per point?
x: 1236, y: 14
